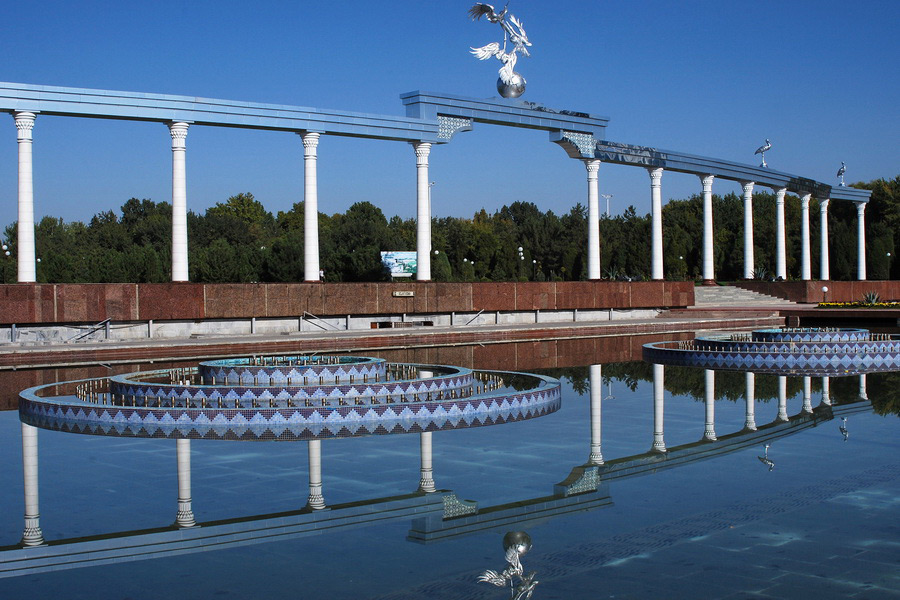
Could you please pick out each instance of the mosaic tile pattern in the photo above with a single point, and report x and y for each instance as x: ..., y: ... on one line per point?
x: 788, y: 351
x: 292, y: 370
x: 266, y: 413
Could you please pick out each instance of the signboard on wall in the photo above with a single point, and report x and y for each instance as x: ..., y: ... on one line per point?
x: 400, y: 263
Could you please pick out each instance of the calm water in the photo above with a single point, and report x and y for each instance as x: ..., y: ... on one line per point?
x: 823, y: 521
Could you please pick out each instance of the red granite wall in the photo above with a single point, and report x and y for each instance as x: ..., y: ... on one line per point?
x: 91, y: 303
x: 811, y: 291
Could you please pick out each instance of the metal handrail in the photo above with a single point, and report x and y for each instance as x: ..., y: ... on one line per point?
x: 92, y: 329
x: 305, y: 313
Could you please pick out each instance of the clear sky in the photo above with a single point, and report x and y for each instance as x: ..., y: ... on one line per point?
x: 820, y: 78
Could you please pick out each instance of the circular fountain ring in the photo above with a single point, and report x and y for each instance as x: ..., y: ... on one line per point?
x: 786, y: 351
x: 289, y: 398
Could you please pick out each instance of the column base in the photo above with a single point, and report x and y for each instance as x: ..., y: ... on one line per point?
x: 750, y: 426
x: 426, y: 483
x: 658, y: 447
x: 709, y: 282
x: 595, y: 459
x: 32, y: 536
x: 185, y: 516
x: 709, y: 437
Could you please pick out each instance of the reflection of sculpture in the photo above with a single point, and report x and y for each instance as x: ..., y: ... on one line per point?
x: 510, y: 84
x: 516, y: 544
x: 843, y: 429
x: 766, y: 460
x: 762, y: 150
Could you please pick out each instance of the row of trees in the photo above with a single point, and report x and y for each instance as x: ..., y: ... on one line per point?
x: 240, y: 241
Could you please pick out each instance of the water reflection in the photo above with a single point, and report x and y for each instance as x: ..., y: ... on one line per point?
x: 434, y: 514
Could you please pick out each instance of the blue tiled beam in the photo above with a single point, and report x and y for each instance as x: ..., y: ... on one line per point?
x: 515, y: 113
x: 77, y: 102
x: 646, y: 156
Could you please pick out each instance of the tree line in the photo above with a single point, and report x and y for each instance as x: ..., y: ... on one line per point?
x: 238, y: 240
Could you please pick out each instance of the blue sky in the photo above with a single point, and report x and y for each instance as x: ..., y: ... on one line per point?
x: 819, y: 78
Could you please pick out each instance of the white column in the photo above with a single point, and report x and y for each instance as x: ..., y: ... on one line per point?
x: 780, y: 250
x: 426, y: 479
x: 824, y: 262
x: 749, y: 266
x: 861, y: 241
x: 316, y: 500
x: 179, y: 203
x: 750, y: 415
x: 32, y: 536
x: 423, y: 213
x: 310, y: 207
x: 862, y: 387
x: 656, y: 262
x: 782, y: 399
x: 596, y: 381
x: 592, y: 167
x: 27, y: 273
x: 659, y: 444
x: 709, y: 275
x: 709, y: 429
x: 185, y: 516
x: 826, y: 392
x: 807, y: 395
x: 805, y: 266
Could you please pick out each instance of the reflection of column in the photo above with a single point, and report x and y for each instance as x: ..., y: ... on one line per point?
x: 750, y: 420
x: 780, y: 248
x: 824, y: 269
x: 805, y: 266
x: 310, y: 207
x: 709, y: 274
x: 862, y: 387
x: 596, y: 380
x: 861, y: 241
x: 782, y: 399
x: 27, y: 272
x: 426, y: 479
x: 826, y: 393
x: 423, y: 213
x: 592, y: 167
x: 32, y: 535
x: 316, y: 500
x: 656, y: 263
x: 709, y: 430
x: 807, y: 394
x: 659, y: 444
x: 185, y: 517
x: 179, y: 132
x: 749, y: 267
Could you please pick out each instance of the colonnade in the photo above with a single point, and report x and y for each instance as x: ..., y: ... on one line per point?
x: 178, y: 130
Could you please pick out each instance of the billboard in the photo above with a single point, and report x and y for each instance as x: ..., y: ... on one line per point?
x: 400, y: 263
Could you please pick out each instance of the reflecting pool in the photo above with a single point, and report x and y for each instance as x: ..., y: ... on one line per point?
x: 648, y: 482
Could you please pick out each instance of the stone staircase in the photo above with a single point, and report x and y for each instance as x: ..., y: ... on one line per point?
x: 717, y: 295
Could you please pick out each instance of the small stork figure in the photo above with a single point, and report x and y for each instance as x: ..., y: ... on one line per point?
x: 766, y: 460
x: 841, y: 172
x: 762, y: 150
x: 843, y: 429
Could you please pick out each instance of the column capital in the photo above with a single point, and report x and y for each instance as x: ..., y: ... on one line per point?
x: 707, y: 181
x: 592, y: 165
x: 823, y: 205
x: 310, y: 143
x: 861, y: 208
x: 24, y: 125
x: 804, y: 200
x: 779, y: 195
x: 178, y: 130
x: 423, y: 149
x: 655, y: 176
x: 747, y: 186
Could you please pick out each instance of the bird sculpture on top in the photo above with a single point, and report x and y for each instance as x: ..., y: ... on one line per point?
x: 762, y: 150
x: 510, y: 84
x: 841, y: 172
